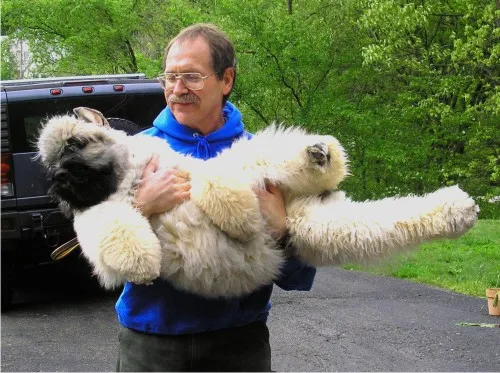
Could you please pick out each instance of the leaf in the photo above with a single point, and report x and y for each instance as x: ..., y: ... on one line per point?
x: 483, y: 325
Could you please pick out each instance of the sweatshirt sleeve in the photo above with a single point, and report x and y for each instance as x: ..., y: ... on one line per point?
x: 296, y: 275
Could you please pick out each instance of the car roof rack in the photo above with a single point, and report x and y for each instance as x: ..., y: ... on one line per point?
x: 71, y: 78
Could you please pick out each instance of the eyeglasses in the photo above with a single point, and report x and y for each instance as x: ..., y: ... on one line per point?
x: 193, y: 81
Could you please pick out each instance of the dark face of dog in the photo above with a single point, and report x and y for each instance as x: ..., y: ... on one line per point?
x: 86, y: 173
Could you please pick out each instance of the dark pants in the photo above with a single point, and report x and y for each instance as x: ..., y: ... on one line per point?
x: 244, y: 348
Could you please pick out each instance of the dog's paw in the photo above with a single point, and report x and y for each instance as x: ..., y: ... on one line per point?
x: 138, y: 271
x: 134, y: 263
x: 318, y: 154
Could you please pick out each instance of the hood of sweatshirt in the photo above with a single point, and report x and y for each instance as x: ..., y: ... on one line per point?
x: 186, y: 140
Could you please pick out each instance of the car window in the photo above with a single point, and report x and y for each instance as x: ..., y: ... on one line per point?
x: 26, y: 117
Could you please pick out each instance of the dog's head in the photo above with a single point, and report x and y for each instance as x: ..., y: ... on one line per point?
x: 84, y: 158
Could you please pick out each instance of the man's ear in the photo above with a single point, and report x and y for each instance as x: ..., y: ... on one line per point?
x: 90, y: 115
x: 228, y: 80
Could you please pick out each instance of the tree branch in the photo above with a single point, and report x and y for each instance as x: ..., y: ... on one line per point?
x: 254, y: 109
x: 283, y: 79
x: 131, y: 53
x: 446, y: 15
x: 318, y: 83
x: 47, y: 30
x: 435, y: 33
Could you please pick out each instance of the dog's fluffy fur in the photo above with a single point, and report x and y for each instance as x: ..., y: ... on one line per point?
x: 216, y: 244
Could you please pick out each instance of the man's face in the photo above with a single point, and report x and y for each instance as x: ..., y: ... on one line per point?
x: 203, y: 109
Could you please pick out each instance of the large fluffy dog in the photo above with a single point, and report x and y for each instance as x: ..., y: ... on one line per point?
x: 216, y: 244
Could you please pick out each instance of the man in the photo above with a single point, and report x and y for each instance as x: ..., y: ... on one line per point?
x: 162, y: 328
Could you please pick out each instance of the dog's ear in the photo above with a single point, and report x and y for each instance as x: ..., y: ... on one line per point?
x: 90, y: 115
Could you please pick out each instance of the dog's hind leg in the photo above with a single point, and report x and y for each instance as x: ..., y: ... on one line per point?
x: 338, y: 230
x: 119, y: 243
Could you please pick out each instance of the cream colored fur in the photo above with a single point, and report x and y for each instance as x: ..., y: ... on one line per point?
x: 216, y: 244
x: 339, y: 230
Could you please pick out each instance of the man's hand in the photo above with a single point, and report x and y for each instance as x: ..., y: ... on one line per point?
x: 161, y: 190
x: 272, y: 207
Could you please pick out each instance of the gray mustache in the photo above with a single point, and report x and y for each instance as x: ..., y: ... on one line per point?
x: 183, y: 99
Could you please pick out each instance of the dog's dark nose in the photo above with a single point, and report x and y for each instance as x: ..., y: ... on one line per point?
x: 60, y: 175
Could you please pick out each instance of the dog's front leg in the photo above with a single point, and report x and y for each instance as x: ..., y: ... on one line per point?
x: 228, y: 200
x: 119, y: 243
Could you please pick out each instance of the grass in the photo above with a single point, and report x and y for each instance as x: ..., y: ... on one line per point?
x: 466, y: 265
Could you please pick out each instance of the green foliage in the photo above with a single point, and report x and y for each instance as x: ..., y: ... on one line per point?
x: 8, y: 64
x: 446, y: 55
x: 75, y: 37
x: 410, y: 89
x: 288, y: 73
x: 467, y: 265
x: 58, y: 31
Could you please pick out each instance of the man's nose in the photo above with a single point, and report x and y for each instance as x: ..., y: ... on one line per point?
x: 179, y: 87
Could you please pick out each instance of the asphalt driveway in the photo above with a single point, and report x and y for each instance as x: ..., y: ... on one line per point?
x: 349, y: 322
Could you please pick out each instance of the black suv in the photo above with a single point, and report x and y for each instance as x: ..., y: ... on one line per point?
x: 32, y: 225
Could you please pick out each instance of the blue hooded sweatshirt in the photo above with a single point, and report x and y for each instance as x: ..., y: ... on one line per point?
x: 160, y: 308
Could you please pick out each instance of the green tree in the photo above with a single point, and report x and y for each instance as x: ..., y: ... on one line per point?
x: 74, y: 37
x: 8, y: 62
x: 445, y: 56
x: 285, y: 68
x: 409, y: 88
